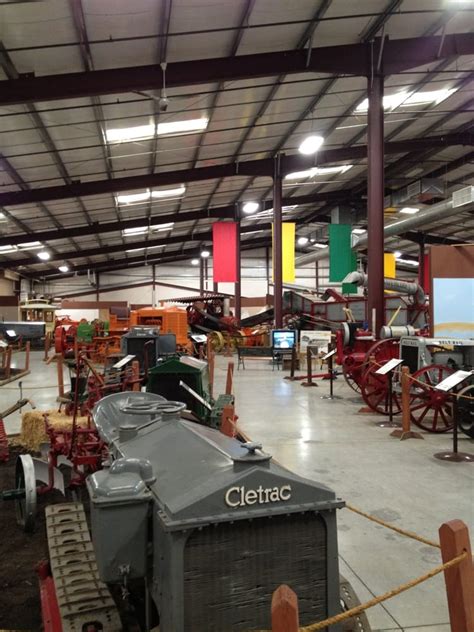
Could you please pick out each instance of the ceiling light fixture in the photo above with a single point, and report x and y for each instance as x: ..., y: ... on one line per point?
x: 390, y: 102
x: 133, y: 197
x: 410, y: 262
x: 182, y: 127
x: 194, y: 262
x: 44, y: 255
x: 310, y: 145
x: 397, y: 254
x: 145, y: 196
x: 302, y: 241
x: 63, y: 268
x: 409, y: 210
x: 317, y: 171
x: 250, y: 207
x: 205, y: 254
x: 428, y: 96
x: 7, y: 249
x: 359, y: 231
x: 318, y: 245
x: 122, y: 135
x: 164, y: 193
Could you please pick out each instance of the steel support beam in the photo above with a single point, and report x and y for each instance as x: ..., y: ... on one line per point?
x: 375, y: 203
x: 238, y: 283
x: 352, y: 59
x: 263, y: 167
x: 277, y: 245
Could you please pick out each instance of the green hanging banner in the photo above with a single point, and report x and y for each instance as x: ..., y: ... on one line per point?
x: 342, y: 259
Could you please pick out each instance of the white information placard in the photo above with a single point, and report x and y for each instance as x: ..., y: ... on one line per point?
x: 389, y: 366
x: 453, y: 380
x: 329, y: 355
x: 315, y: 338
x: 123, y: 362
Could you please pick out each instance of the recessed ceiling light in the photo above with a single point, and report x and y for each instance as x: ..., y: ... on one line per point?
x: 164, y: 193
x: 250, y: 207
x: 194, y: 262
x: 63, y: 268
x: 310, y: 145
x: 44, y: 255
x: 182, y: 127
x: 359, y: 231
x: 409, y: 210
x: 138, y: 132
x: 317, y: 171
x: 302, y: 241
x: 205, y: 254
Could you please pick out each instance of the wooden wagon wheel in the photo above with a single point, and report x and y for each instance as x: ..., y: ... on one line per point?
x: 429, y: 409
x: 353, y: 372
x: 375, y: 392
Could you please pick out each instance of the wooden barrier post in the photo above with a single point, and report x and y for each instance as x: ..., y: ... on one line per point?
x: 228, y: 426
x: 309, y: 378
x: 47, y: 345
x: 291, y: 377
x: 59, y: 366
x: 27, y: 355
x: 230, y: 378
x: 454, y: 540
x: 136, y: 375
x: 285, y: 617
x: 8, y: 363
x: 405, y: 432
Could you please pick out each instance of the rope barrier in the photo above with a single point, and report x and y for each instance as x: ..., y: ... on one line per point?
x: 408, y: 534
x: 388, y: 595
x: 432, y: 388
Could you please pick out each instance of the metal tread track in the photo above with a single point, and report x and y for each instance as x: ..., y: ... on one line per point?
x: 82, y: 597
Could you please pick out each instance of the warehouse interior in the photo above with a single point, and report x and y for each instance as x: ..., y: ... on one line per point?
x: 237, y: 315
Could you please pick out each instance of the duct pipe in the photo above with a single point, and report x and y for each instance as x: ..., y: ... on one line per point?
x: 395, y: 285
x: 442, y: 210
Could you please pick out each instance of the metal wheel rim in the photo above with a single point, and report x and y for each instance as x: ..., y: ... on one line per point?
x: 25, y: 479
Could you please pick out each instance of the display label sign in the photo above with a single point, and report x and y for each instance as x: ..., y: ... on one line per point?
x: 315, y: 338
x: 329, y: 355
x: 123, y: 362
x: 453, y: 380
x: 391, y: 365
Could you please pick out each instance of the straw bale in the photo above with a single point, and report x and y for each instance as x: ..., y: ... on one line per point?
x: 33, y: 432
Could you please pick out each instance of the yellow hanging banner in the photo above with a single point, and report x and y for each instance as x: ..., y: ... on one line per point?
x: 288, y: 230
x: 389, y: 265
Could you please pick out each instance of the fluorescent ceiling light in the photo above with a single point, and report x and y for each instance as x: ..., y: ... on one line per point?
x: 317, y: 245
x: 390, y: 102
x: 409, y: 210
x: 161, y: 227
x: 139, y: 230
x: 429, y: 96
x: 194, y: 262
x: 30, y: 245
x: 410, y: 262
x: 164, y: 193
x: 5, y: 249
x: 182, y: 127
x: 133, y: 197
x: 44, y: 255
x: 359, y: 231
x: 250, y: 207
x: 205, y: 254
x: 302, y: 241
x: 397, y: 254
x: 142, y: 230
x: 310, y: 145
x: 252, y: 232
x: 63, y: 268
x: 317, y: 171
x: 3, y: 217
x: 138, y: 132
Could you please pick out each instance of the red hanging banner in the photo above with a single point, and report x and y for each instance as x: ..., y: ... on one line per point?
x: 224, y: 246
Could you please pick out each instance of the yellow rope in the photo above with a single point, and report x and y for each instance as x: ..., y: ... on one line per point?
x: 408, y: 534
x: 429, y: 386
x: 388, y: 595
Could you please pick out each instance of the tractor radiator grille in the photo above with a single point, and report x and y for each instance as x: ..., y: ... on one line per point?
x: 231, y: 571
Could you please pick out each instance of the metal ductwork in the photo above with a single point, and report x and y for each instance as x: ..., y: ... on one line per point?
x: 395, y: 285
x: 441, y: 210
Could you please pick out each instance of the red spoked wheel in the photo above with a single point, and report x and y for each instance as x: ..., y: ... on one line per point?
x: 429, y: 409
x: 353, y: 370
x: 375, y: 392
x: 383, y: 351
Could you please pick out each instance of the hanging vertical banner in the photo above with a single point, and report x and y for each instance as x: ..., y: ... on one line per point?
x: 342, y: 259
x: 288, y: 230
x: 389, y: 269
x: 224, y: 247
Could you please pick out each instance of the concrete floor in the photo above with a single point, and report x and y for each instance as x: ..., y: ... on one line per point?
x: 329, y: 441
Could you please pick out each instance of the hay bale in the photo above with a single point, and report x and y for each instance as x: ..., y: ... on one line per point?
x: 33, y: 432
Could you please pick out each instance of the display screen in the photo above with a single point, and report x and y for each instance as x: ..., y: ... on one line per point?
x: 283, y: 338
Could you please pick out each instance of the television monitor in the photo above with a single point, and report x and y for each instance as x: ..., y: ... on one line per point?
x: 283, y: 338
